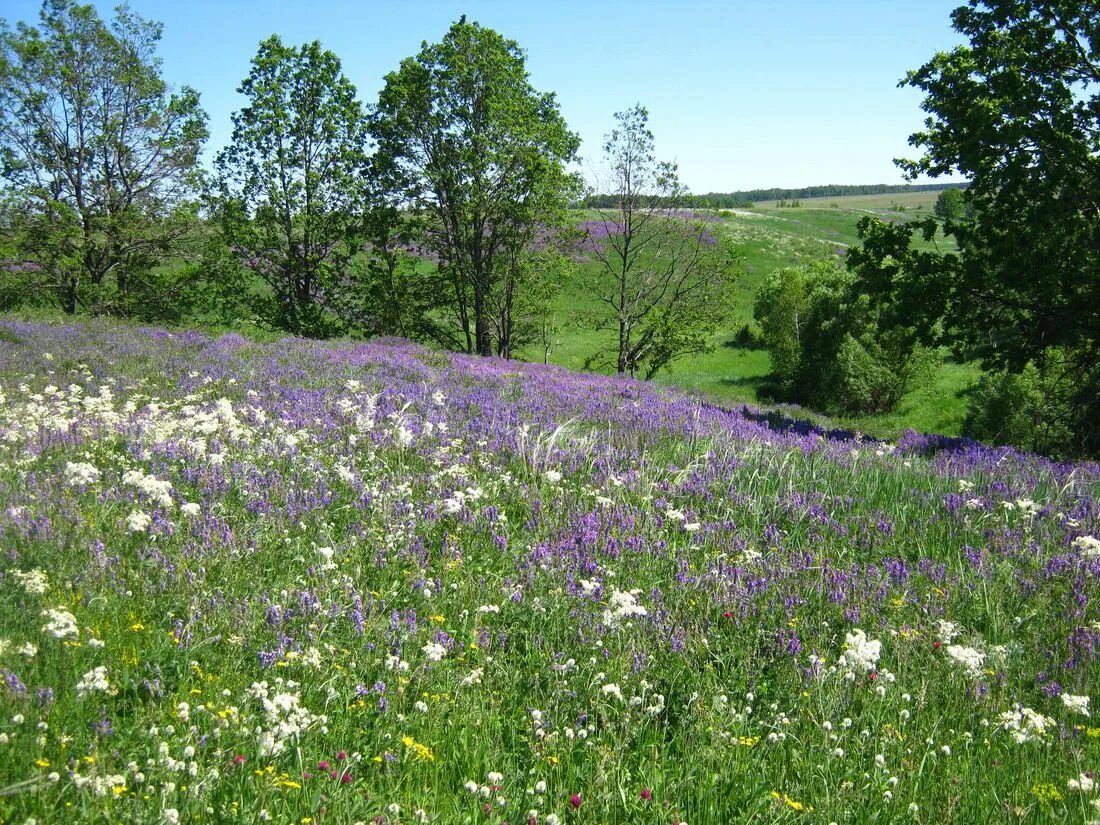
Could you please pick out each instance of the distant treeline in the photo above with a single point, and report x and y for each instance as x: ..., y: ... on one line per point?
x: 732, y: 200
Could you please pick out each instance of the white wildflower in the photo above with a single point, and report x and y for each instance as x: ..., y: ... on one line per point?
x: 138, y: 522
x: 61, y: 624
x: 94, y: 681
x: 434, y: 651
x: 80, y: 473
x: 860, y: 653
x: 1024, y: 724
x: 34, y: 582
x: 1088, y: 545
x: 1083, y: 783
x: 1076, y: 704
x: 613, y: 690
x: 623, y: 605
x: 968, y: 658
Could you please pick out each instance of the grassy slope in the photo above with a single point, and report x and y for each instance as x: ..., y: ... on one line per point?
x: 770, y: 238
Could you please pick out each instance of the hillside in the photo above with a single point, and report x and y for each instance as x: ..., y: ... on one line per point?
x: 308, y: 582
x: 769, y: 238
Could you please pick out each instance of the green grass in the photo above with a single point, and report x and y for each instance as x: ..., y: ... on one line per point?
x: 767, y: 239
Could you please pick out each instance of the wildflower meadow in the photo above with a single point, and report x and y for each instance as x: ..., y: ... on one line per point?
x: 305, y: 582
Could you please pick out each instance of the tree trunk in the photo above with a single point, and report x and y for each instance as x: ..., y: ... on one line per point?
x: 482, y: 332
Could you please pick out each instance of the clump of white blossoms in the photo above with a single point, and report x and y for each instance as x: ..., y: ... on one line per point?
x: 1024, y: 724
x: 1088, y: 545
x: 138, y: 522
x: 149, y: 486
x: 623, y: 605
x: 1076, y: 704
x: 947, y: 631
x: 287, y: 718
x: 94, y: 681
x: 1083, y: 783
x: 396, y: 663
x: 613, y: 690
x: 434, y: 651
x: 860, y: 653
x: 473, y: 678
x: 60, y: 623
x: 35, y: 582
x: 553, y: 476
x: 967, y: 658
x: 80, y: 473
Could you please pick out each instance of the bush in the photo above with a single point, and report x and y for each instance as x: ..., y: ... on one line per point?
x: 1033, y: 409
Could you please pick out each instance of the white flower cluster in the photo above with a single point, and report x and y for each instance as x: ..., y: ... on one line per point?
x: 860, y: 653
x: 434, y: 651
x: 94, y: 681
x: 1024, y: 724
x: 947, y: 631
x: 35, y: 582
x: 80, y: 473
x: 396, y: 663
x: 473, y: 678
x: 100, y: 785
x: 969, y: 659
x: 1076, y: 704
x: 1084, y: 783
x: 60, y: 623
x: 287, y: 718
x: 613, y: 690
x: 623, y: 605
x: 1088, y: 545
x: 149, y: 486
x: 138, y: 522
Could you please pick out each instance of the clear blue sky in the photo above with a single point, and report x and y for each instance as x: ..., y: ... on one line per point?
x: 741, y: 93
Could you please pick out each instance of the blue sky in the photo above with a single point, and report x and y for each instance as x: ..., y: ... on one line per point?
x: 741, y: 93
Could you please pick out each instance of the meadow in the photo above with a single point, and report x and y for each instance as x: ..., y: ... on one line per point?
x: 328, y: 582
x: 767, y: 238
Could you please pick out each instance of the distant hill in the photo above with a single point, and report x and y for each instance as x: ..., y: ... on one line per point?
x: 747, y: 197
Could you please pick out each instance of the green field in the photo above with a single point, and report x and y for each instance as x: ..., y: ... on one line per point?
x: 769, y: 238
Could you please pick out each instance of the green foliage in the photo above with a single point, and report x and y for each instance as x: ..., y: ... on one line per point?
x: 663, y: 279
x: 832, y: 347
x: 99, y: 158
x: 482, y: 154
x: 1033, y: 408
x: 1017, y: 111
x: 950, y: 205
x: 291, y: 184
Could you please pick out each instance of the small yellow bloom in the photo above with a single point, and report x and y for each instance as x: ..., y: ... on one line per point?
x: 137, y: 627
x: 42, y: 763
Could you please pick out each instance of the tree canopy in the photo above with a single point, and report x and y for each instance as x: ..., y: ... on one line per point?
x: 1017, y: 111
x: 484, y: 155
x: 98, y: 155
x: 292, y: 181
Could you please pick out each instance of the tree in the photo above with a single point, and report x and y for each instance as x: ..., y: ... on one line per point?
x: 98, y: 155
x: 662, y: 276
x: 483, y: 155
x: 950, y: 205
x: 292, y: 183
x: 1017, y: 111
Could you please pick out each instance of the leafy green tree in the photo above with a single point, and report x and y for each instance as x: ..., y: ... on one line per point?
x: 950, y: 205
x: 291, y: 185
x: 98, y: 156
x: 781, y: 309
x: 833, y: 345
x: 483, y: 156
x: 662, y: 277
x: 1017, y: 111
